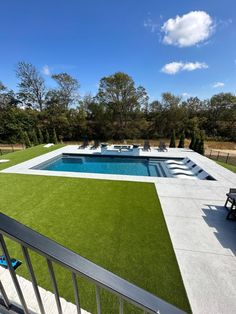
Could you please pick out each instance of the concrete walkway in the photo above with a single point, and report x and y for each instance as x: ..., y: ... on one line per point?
x: 203, y: 240
x: 48, y: 298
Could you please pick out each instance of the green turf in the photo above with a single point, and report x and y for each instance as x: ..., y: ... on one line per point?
x: 23, y: 155
x: 118, y: 225
x: 228, y: 166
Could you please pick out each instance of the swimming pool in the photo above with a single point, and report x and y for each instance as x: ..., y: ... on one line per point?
x: 134, y: 166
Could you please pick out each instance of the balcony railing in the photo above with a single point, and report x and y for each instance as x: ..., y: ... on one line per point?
x: 78, y: 265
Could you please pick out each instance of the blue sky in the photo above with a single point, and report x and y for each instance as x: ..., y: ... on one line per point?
x: 192, y: 54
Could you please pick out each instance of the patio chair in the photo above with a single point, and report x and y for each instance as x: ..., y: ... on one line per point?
x: 184, y: 161
x: 84, y: 144
x: 162, y: 147
x: 231, y: 198
x: 96, y: 144
x: 146, y: 146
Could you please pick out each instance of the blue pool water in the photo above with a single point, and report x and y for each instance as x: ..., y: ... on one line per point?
x: 107, y: 165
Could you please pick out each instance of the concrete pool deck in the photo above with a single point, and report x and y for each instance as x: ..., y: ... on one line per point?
x: 203, y: 240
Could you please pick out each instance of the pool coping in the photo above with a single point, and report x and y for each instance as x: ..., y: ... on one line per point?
x: 203, y: 162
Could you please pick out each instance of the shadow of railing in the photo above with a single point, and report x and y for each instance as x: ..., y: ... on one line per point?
x: 225, y: 230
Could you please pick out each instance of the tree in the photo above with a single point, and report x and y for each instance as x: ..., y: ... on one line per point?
x: 47, y: 137
x: 27, y: 140
x: 67, y: 91
x: 193, y: 141
x: 31, y: 86
x: 22, y: 136
x: 34, y: 138
x: 40, y: 136
x: 54, y: 137
x: 172, y: 139
x: 196, y: 145
x: 181, y: 140
x: 122, y: 102
x: 201, y: 148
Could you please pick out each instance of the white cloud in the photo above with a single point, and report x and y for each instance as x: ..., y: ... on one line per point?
x: 46, y: 70
x: 188, y: 30
x: 175, y: 67
x: 218, y: 85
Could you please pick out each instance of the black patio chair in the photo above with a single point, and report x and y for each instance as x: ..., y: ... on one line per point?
x: 146, y: 146
x: 96, y: 144
x: 84, y: 144
x: 231, y: 198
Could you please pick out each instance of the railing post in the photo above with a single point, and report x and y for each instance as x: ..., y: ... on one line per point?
x: 4, y: 295
x: 54, y: 284
x: 33, y: 278
x: 98, y: 300
x: 76, y: 293
x: 218, y: 155
x: 210, y: 153
x: 13, y: 275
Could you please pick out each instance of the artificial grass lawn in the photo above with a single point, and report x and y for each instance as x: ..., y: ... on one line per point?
x: 228, y: 166
x: 23, y: 155
x: 118, y: 225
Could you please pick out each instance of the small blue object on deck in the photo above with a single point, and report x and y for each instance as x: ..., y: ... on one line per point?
x: 14, y: 262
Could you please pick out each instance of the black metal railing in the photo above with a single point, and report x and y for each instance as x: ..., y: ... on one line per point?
x: 78, y: 265
x: 228, y: 158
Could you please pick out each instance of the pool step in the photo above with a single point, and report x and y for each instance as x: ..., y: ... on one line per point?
x: 48, y: 297
x: 153, y: 172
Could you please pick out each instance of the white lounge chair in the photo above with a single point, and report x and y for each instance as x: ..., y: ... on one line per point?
x: 180, y: 162
x: 184, y: 176
x: 187, y: 166
x: 188, y: 172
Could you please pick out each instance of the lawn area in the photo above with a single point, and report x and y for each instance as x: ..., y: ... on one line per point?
x: 23, y: 155
x: 228, y: 166
x: 118, y: 225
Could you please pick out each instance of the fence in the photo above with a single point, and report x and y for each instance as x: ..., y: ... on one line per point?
x: 10, y: 148
x: 228, y: 158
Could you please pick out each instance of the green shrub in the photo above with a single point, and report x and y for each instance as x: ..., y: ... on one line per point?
x: 47, y: 137
x: 54, y: 137
x: 27, y: 140
x: 34, y: 138
x: 172, y: 139
x: 181, y: 140
x: 40, y: 136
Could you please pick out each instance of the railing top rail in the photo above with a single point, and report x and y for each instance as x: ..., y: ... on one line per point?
x: 69, y: 259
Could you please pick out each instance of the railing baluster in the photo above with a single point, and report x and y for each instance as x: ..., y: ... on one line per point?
x: 75, y: 286
x: 13, y: 275
x: 4, y: 295
x: 98, y: 300
x: 121, y: 306
x: 54, y: 284
x: 33, y: 278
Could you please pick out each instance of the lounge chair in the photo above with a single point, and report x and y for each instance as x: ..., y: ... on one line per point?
x: 180, y: 162
x: 84, y: 144
x: 231, y: 198
x: 187, y: 166
x: 146, y: 146
x: 187, y: 172
x: 162, y: 147
x: 96, y: 144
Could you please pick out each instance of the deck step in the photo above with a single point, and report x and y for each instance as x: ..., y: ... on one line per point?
x: 48, y: 297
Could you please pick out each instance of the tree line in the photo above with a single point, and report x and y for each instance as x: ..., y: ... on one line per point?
x: 120, y: 110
